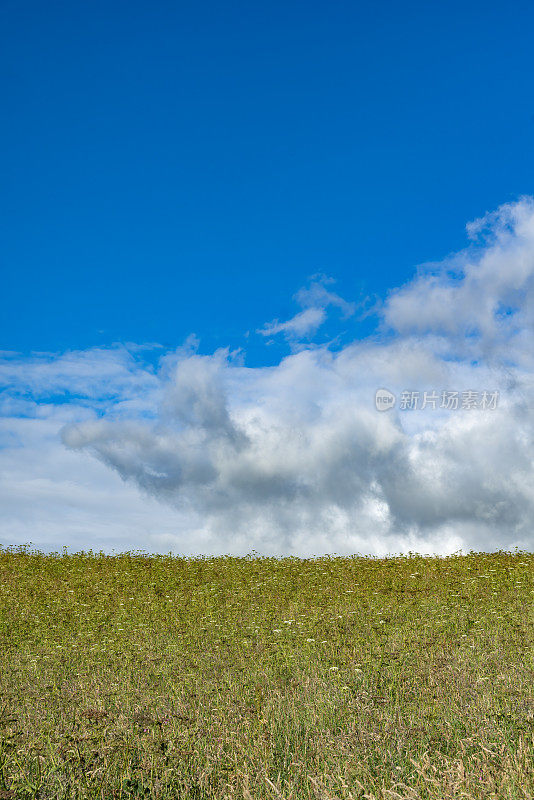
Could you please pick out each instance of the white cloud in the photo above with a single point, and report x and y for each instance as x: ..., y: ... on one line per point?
x: 205, y: 455
x: 316, y: 295
x: 482, y: 300
x: 302, y: 324
x: 94, y: 374
x: 314, y: 299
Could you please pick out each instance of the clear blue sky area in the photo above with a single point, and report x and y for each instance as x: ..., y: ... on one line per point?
x: 176, y: 168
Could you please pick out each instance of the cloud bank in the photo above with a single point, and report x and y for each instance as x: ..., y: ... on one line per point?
x: 202, y: 454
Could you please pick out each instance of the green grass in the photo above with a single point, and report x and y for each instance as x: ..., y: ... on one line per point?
x: 250, y: 678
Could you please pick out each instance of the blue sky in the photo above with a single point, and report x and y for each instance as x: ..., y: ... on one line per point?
x: 223, y: 228
x: 172, y: 168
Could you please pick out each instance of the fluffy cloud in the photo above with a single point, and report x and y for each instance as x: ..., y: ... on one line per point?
x: 205, y: 455
x: 481, y: 301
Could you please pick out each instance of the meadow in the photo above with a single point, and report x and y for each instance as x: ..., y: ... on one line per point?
x: 256, y: 678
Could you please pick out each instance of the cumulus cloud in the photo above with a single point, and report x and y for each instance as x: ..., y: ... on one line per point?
x: 481, y: 301
x: 295, y: 458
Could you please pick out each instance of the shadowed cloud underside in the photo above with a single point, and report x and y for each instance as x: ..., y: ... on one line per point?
x: 199, y: 453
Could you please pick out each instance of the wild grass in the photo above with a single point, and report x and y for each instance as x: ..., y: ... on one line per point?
x: 249, y: 678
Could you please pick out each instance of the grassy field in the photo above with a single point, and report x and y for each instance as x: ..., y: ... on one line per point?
x: 248, y: 678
